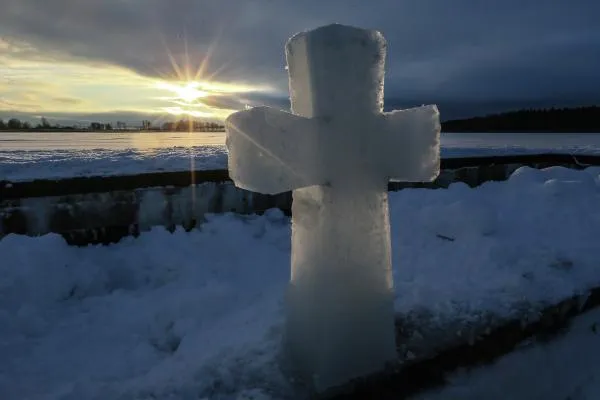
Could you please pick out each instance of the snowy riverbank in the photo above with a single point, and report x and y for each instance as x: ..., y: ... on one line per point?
x: 199, y: 314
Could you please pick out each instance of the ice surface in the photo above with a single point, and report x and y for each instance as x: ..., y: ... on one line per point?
x: 200, y: 314
x: 270, y: 151
x: 17, y: 164
x: 336, y: 71
x: 22, y: 165
x: 410, y: 144
x: 337, y: 155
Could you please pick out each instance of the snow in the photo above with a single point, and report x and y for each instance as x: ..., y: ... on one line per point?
x: 25, y: 165
x: 200, y: 314
x: 566, y: 368
x: 145, y: 316
x: 28, y: 156
x: 532, y: 228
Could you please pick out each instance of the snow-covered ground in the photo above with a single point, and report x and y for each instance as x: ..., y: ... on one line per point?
x: 26, y: 165
x: 199, y: 315
x: 25, y: 156
x: 567, y: 368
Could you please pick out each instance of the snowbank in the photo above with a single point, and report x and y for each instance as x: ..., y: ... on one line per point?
x: 199, y: 314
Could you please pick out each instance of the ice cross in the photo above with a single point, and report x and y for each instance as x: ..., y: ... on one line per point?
x: 337, y: 152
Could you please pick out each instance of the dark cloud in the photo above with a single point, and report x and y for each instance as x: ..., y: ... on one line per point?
x: 239, y: 102
x: 459, y: 52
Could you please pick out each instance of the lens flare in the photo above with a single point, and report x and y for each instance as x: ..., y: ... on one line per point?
x: 187, y: 93
x: 193, y: 92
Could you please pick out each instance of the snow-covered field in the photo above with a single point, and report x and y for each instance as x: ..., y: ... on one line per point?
x: 27, y: 156
x: 198, y: 315
x: 28, y: 165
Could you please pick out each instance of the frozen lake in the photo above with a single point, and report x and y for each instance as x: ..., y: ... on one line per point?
x: 53, y: 155
x: 569, y: 142
x: 18, y: 141
x: 44, y: 141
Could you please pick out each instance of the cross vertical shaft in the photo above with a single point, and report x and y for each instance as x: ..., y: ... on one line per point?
x: 340, y: 322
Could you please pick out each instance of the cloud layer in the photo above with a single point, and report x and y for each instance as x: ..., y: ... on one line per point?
x: 459, y: 52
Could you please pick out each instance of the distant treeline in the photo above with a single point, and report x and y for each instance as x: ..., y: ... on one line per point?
x: 15, y: 124
x: 187, y: 125
x: 580, y: 119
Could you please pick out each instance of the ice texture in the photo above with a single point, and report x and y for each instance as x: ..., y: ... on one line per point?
x: 337, y: 154
x: 268, y: 150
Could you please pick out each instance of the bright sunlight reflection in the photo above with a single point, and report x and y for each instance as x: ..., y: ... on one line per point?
x: 187, y: 92
x: 186, y: 98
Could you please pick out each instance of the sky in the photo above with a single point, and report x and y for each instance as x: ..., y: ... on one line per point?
x: 128, y: 60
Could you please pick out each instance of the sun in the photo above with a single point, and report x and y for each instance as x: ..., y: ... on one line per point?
x: 191, y: 90
x: 193, y: 98
x: 189, y: 93
x: 186, y: 92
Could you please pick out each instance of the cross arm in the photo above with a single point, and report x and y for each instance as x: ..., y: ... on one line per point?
x: 270, y: 151
x: 410, y: 145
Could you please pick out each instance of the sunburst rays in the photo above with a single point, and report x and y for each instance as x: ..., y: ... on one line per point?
x: 189, y: 82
